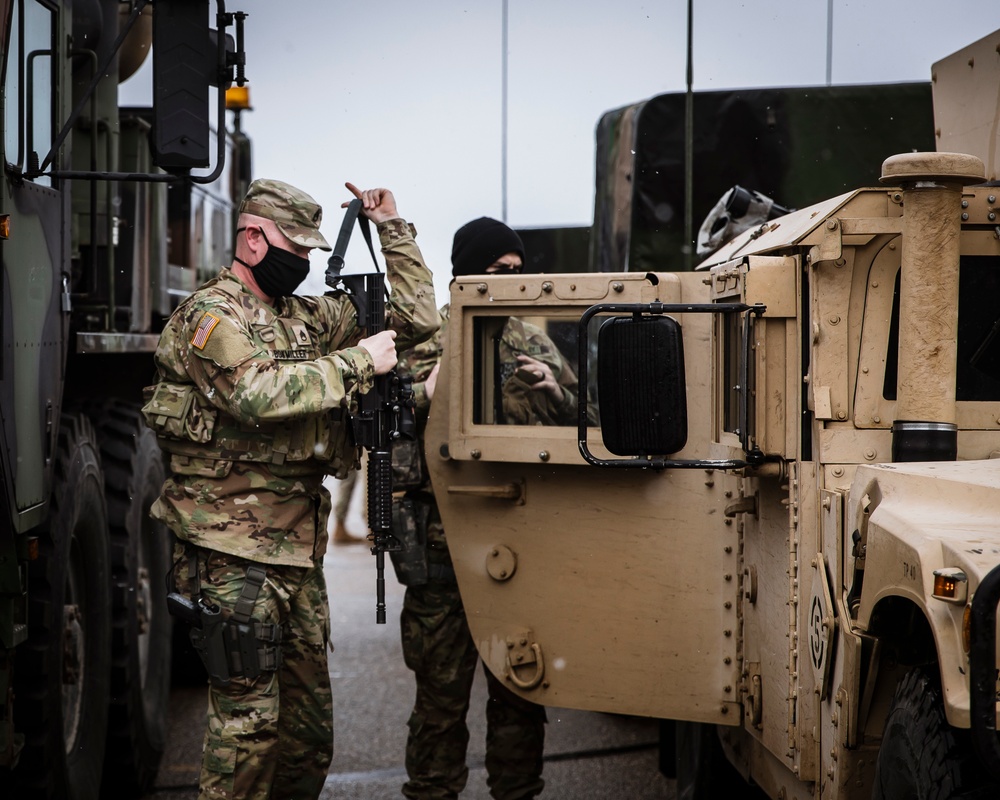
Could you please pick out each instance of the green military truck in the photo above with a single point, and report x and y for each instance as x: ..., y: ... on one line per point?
x: 109, y: 215
x: 782, y: 536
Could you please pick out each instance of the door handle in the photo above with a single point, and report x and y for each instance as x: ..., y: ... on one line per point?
x: 503, y: 491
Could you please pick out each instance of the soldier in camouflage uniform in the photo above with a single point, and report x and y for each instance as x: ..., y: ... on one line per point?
x: 251, y: 401
x: 538, y: 388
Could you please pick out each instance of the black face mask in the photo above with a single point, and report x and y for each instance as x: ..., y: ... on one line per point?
x: 279, y: 273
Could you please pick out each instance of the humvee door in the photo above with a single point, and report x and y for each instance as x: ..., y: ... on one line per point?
x: 585, y: 587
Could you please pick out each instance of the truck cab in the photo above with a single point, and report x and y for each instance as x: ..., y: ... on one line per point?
x: 109, y: 216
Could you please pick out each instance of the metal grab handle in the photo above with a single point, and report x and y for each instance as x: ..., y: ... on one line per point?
x: 539, y: 670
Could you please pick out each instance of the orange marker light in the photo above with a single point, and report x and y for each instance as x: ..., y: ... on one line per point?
x: 238, y: 98
x: 951, y: 584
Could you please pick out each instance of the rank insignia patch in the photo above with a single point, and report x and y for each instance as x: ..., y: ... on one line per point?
x: 204, y: 330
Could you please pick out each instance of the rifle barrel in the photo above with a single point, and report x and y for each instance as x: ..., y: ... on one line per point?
x: 379, y: 587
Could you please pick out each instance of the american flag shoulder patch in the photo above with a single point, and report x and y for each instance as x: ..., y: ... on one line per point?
x: 204, y: 330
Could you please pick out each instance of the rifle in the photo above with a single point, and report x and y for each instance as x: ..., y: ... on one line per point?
x: 386, y: 412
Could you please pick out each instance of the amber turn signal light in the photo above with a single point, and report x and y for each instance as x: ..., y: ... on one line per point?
x: 951, y: 585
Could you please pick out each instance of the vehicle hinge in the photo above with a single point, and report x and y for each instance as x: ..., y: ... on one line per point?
x: 753, y: 702
x: 830, y: 247
x: 745, y: 505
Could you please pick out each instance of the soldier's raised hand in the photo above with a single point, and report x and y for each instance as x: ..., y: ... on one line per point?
x: 378, y: 204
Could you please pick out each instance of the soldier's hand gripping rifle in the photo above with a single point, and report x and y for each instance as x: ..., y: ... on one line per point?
x: 386, y: 413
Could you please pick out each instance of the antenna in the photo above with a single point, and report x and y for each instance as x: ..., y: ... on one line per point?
x: 829, y: 42
x: 503, y: 118
x: 689, y: 144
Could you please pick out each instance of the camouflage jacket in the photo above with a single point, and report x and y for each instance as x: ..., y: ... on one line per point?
x: 248, y: 403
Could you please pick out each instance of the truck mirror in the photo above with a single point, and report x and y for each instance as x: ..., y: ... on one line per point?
x: 184, y: 65
x: 640, y: 385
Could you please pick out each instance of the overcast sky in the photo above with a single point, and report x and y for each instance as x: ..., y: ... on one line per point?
x: 407, y: 94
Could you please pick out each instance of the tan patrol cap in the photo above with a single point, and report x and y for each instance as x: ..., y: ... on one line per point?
x: 295, y: 213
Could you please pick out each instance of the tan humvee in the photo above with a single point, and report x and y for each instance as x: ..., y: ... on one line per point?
x: 786, y: 529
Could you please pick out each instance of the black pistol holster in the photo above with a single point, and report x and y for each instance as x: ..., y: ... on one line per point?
x: 409, y: 526
x: 233, y: 647
x: 418, y: 562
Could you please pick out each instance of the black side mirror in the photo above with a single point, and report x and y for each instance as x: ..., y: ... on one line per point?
x: 640, y: 386
x: 184, y: 65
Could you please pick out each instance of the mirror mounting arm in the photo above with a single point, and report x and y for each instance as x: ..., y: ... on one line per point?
x: 639, y: 310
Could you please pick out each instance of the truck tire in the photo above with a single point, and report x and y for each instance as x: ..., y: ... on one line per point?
x: 61, y: 672
x: 922, y: 757
x: 141, y: 626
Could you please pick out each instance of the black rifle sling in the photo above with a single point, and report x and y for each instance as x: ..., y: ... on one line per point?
x: 354, y: 284
x: 353, y: 212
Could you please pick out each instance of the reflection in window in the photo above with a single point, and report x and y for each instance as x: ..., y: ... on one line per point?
x: 525, y: 371
x: 28, y: 88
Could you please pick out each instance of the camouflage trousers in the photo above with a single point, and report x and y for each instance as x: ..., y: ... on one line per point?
x: 345, y: 488
x: 269, y: 738
x: 439, y: 649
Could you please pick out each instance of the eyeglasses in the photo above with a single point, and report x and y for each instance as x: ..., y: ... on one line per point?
x: 504, y: 268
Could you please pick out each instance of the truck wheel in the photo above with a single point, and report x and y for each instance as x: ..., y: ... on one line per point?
x: 703, y: 771
x: 141, y: 626
x: 61, y: 671
x: 922, y: 757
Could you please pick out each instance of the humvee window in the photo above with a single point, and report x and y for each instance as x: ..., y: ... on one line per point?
x: 978, y: 375
x: 731, y: 338
x: 514, y: 357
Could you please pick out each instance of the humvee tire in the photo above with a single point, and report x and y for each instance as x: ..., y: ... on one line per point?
x: 922, y: 757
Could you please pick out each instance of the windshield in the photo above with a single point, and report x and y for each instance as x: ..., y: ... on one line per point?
x: 977, y: 378
x: 28, y: 82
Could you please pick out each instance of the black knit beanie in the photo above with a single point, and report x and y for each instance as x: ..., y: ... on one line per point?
x: 478, y: 245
